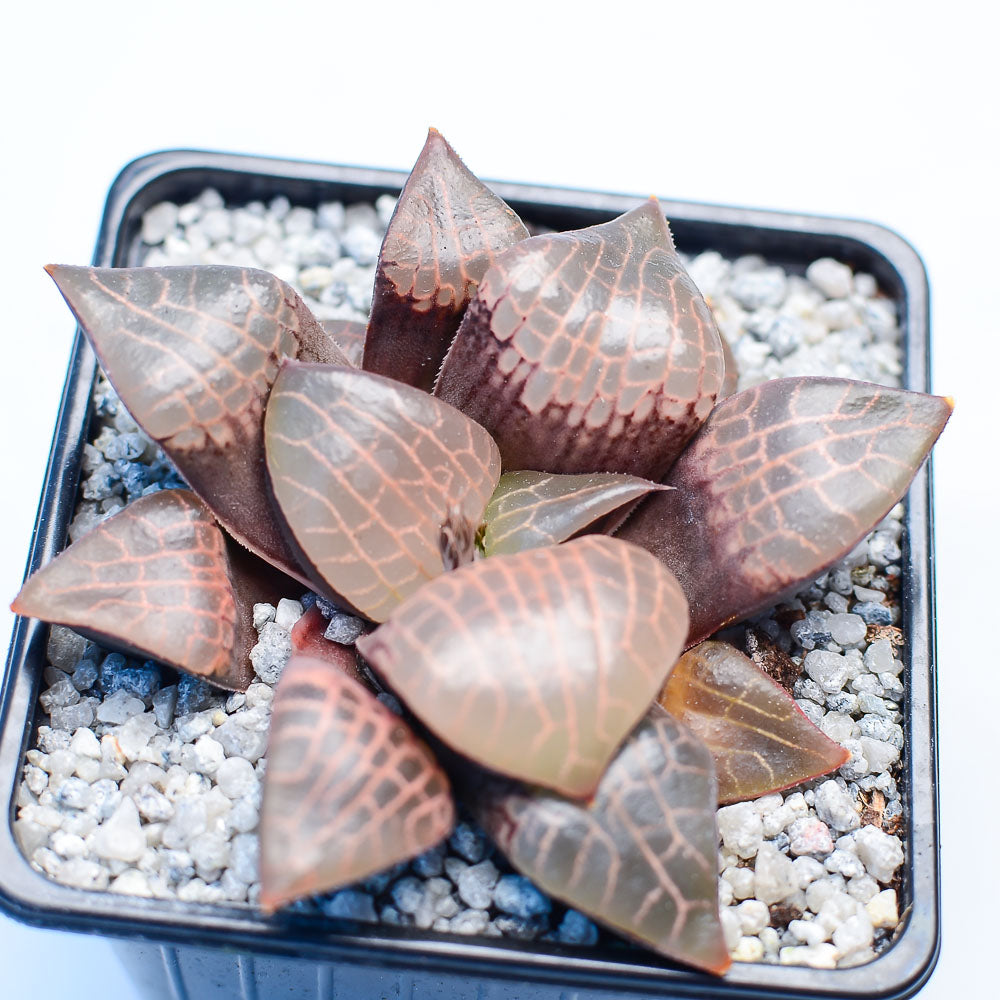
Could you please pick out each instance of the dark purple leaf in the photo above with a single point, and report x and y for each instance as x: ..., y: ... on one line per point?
x: 590, y: 351
x: 640, y: 856
x: 783, y: 481
x: 536, y: 664
x: 159, y: 579
x: 366, y: 472
x: 193, y: 351
x: 531, y: 509
x: 759, y: 738
x: 349, y: 789
x: 446, y: 230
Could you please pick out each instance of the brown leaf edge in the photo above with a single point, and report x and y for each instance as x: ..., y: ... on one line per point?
x: 760, y: 739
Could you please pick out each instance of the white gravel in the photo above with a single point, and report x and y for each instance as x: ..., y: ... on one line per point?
x: 146, y: 783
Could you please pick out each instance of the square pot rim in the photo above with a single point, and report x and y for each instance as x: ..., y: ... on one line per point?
x: 30, y: 896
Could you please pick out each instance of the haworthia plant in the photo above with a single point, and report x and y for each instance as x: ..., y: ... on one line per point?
x: 536, y: 664
x: 350, y: 790
x: 159, y: 579
x: 589, y: 351
x: 584, y: 354
x: 782, y: 481
x: 193, y: 351
x: 366, y: 471
x: 759, y: 737
x: 445, y: 232
x: 640, y: 855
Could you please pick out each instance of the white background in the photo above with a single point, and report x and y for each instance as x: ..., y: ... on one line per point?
x: 883, y: 111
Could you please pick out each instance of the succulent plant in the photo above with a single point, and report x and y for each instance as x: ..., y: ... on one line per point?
x: 578, y: 387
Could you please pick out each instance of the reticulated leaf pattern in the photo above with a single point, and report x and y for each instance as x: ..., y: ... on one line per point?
x: 349, y: 789
x: 589, y: 351
x: 193, y: 351
x: 783, y: 480
x: 760, y: 739
x: 640, y: 856
x: 152, y: 579
x: 444, y: 234
x: 536, y: 664
x: 366, y: 471
x: 530, y: 509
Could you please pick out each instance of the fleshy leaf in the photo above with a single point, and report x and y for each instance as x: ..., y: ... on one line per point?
x: 530, y: 509
x: 193, y: 351
x: 446, y: 230
x: 366, y: 471
x: 349, y: 789
x: 732, y: 376
x: 536, y: 664
x: 760, y: 739
x: 309, y: 639
x: 783, y: 480
x: 590, y: 351
x: 159, y: 579
x: 349, y: 336
x: 641, y: 855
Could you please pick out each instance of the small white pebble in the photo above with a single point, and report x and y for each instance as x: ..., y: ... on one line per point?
x: 818, y: 956
x: 754, y: 916
x: 287, y: 613
x: 749, y: 949
x: 882, y: 909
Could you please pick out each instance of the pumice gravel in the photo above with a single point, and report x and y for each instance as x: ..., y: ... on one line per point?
x: 147, y: 783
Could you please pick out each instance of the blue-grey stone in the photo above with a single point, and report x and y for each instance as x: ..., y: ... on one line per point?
x: 872, y: 613
x: 516, y: 895
x: 193, y: 695
x: 468, y: 842
x: 812, y: 631
x: 575, y: 928
x: 430, y: 863
x: 85, y: 675
x: 117, y: 675
x: 350, y: 904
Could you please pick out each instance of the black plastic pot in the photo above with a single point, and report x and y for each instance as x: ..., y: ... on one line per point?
x: 197, y: 951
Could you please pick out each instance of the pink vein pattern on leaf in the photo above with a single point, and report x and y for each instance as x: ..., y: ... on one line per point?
x: 366, y: 471
x: 588, y: 351
x: 641, y: 855
x: 349, y: 789
x: 536, y: 664
x: 192, y: 350
x: 531, y: 509
x: 153, y: 577
x: 783, y: 480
